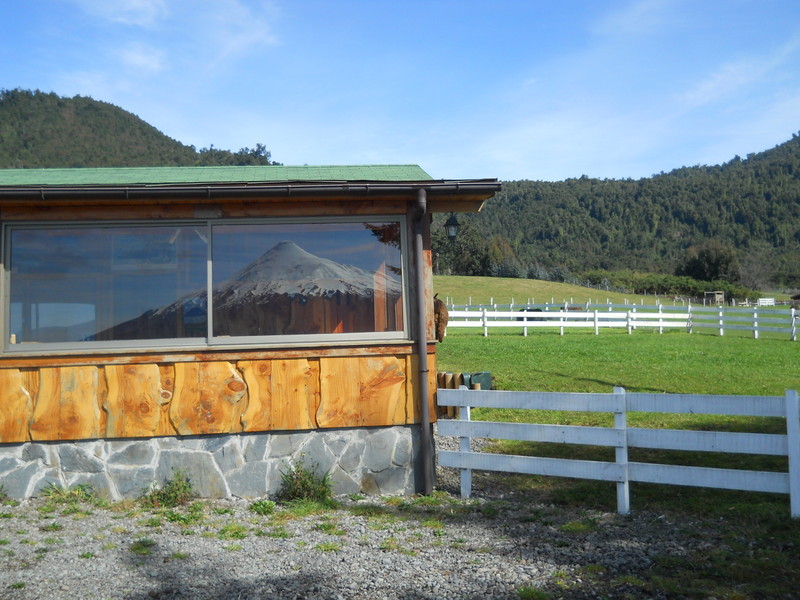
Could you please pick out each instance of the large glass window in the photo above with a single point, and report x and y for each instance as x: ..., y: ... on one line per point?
x: 111, y: 284
x: 306, y: 278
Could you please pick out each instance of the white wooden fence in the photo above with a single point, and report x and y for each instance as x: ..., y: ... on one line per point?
x: 621, y: 437
x: 630, y: 317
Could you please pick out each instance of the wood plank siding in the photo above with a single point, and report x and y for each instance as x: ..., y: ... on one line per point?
x: 148, y: 399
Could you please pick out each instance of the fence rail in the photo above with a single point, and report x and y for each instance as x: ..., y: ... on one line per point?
x: 632, y: 317
x: 621, y: 437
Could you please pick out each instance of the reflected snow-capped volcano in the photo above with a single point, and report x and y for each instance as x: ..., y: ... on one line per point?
x: 274, y: 295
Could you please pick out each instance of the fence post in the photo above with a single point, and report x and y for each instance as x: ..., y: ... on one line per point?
x: 660, y: 319
x: 596, y: 323
x: 464, y: 445
x: 793, y: 324
x: 630, y: 325
x: 484, y: 323
x: 689, y: 319
x: 621, y: 452
x: 793, y: 438
x: 755, y: 323
x: 721, y: 323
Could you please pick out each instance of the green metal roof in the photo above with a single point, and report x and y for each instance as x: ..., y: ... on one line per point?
x: 178, y: 175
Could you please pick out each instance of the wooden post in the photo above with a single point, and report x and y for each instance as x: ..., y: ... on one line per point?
x: 465, y: 446
x: 793, y: 435
x: 621, y: 452
x: 755, y: 323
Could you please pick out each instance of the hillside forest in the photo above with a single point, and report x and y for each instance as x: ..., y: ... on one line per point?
x: 734, y: 226
x: 40, y: 130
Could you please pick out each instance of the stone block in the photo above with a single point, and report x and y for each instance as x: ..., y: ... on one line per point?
x: 254, y: 446
x: 206, y: 479
x: 316, y: 455
x: 379, y: 449
x: 285, y: 444
x: 17, y: 482
x: 350, y: 460
x: 137, y: 453
x: 131, y: 482
x: 229, y: 456
x: 249, y: 481
x: 344, y: 483
x: 79, y: 459
x: 35, y: 451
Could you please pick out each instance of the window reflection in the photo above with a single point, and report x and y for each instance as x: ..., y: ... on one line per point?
x: 106, y: 284
x: 144, y: 282
x: 278, y: 279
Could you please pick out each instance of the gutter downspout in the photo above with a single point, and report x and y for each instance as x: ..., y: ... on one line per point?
x: 426, y: 452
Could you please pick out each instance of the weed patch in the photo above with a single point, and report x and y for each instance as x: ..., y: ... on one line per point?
x: 176, y: 491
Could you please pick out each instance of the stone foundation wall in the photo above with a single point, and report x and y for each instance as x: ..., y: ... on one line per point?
x: 364, y: 460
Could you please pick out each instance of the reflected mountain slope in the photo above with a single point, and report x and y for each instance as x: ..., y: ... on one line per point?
x: 286, y: 273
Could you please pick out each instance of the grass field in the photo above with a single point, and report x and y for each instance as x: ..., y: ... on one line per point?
x: 756, y: 553
x: 503, y: 289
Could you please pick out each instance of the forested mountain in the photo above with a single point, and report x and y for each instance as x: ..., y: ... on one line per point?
x: 46, y: 130
x: 747, y: 209
x: 738, y: 222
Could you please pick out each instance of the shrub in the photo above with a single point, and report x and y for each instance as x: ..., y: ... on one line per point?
x: 175, y: 492
x: 302, y: 483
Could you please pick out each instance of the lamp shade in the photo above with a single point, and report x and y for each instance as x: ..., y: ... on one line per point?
x: 451, y: 228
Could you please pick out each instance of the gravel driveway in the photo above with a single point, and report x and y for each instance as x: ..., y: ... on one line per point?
x: 492, y: 546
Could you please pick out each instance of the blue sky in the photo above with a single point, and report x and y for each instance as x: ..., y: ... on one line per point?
x: 513, y: 89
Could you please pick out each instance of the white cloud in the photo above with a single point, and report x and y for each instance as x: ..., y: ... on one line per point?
x: 141, y: 57
x: 143, y: 13
x: 638, y: 18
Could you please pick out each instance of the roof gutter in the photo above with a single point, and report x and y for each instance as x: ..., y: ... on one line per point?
x: 127, y: 192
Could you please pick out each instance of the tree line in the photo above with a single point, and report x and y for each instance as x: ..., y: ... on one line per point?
x: 44, y: 130
x: 737, y: 223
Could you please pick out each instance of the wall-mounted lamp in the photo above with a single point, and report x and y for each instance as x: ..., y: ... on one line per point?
x: 451, y: 227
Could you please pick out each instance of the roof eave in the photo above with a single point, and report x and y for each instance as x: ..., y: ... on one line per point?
x: 443, y: 196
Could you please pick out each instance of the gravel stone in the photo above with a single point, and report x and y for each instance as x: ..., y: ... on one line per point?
x: 397, y: 548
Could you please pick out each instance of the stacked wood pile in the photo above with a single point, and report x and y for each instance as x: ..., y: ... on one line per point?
x: 453, y: 381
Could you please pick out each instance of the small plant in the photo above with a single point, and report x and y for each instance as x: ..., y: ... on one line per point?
x: 193, y: 515
x: 233, y: 531
x: 582, y: 526
x: 300, y: 482
x: 86, y: 555
x: 52, y: 527
x: 179, y: 555
x: 278, y: 532
x: 154, y: 522
x: 329, y: 547
x: 68, y: 495
x: 532, y: 593
x: 263, y: 507
x: 176, y: 491
x: 233, y: 547
x: 17, y: 585
x: 330, y: 527
x: 143, y: 546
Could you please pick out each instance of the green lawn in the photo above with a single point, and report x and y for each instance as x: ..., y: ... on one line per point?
x: 755, y: 552
x: 579, y: 361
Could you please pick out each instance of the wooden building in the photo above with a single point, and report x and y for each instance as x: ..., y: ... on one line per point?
x: 222, y: 320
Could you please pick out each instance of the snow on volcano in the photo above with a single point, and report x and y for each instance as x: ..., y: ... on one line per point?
x: 287, y: 269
